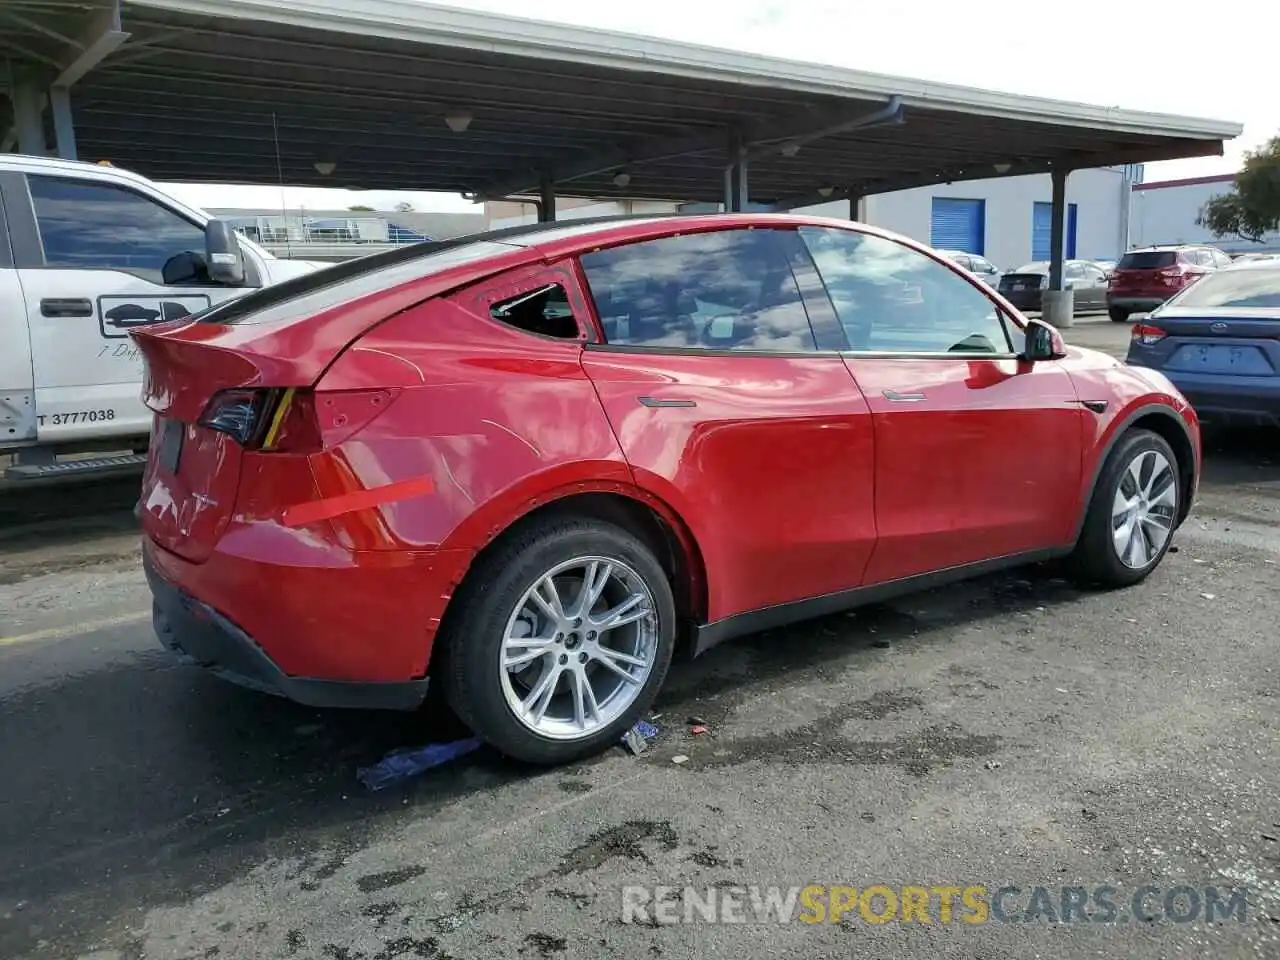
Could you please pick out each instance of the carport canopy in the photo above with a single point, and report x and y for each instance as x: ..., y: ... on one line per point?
x: 396, y: 94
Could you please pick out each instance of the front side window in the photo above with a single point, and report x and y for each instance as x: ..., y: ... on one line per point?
x: 96, y: 226
x: 727, y: 290
x: 891, y: 298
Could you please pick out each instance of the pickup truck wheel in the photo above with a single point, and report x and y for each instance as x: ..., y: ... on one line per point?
x: 562, y: 641
x: 1132, y: 512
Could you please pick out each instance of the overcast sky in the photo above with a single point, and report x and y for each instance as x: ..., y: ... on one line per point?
x: 1174, y: 56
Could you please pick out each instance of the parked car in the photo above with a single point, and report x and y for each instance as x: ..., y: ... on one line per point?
x: 1144, y: 279
x: 528, y: 464
x: 1108, y: 267
x: 980, y: 267
x: 1219, y: 341
x: 1025, y: 286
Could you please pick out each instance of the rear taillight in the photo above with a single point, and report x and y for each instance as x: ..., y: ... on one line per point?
x: 278, y: 420
x: 1147, y: 334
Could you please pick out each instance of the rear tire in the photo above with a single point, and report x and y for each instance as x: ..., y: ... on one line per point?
x: 1118, y: 314
x: 532, y: 602
x: 1132, y: 512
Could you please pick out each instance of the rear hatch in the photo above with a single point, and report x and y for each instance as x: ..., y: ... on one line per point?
x: 1226, y: 343
x: 1148, y: 273
x: 237, y: 376
x: 1020, y: 282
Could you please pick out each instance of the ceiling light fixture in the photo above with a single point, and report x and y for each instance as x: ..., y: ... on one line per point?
x: 826, y: 191
x: 621, y: 178
x: 790, y: 149
x: 457, y: 120
x: 1001, y: 168
x: 325, y: 167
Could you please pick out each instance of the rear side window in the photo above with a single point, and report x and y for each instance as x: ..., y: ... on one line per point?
x: 1147, y: 260
x: 1246, y: 288
x: 544, y: 311
x: 727, y: 290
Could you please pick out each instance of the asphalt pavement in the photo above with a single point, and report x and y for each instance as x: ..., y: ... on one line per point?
x: 1009, y: 732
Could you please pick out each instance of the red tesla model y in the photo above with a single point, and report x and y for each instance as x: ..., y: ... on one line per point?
x: 528, y: 465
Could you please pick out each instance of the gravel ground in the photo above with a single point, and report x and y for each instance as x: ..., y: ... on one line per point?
x: 1012, y: 731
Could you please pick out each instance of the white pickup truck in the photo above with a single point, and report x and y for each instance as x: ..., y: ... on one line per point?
x: 88, y: 252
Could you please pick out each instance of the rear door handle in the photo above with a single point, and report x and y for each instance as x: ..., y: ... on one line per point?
x: 659, y: 402
x: 68, y: 307
x: 897, y: 397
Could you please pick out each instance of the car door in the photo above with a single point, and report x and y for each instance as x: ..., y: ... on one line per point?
x: 95, y: 260
x: 711, y: 374
x: 17, y: 403
x: 978, y: 453
x: 1094, y: 282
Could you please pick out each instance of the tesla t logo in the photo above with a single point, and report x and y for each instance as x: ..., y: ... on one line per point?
x: 1218, y: 327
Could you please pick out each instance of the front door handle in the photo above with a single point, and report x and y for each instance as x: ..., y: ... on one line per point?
x: 897, y: 397
x: 659, y: 402
x: 66, y: 307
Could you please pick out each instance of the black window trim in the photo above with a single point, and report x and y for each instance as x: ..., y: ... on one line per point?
x: 807, y: 302
x: 6, y: 248
x: 252, y: 279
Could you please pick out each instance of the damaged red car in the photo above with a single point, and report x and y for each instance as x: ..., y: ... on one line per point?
x: 531, y: 465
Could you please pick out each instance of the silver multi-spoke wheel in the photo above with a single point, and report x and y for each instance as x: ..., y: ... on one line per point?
x: 579, y: 647
x: 1144, y: 510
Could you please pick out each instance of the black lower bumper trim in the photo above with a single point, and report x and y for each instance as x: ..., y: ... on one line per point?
x: 199, y: 635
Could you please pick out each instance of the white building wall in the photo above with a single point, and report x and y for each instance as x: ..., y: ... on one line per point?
x: 1100, y: 197
x: 1167, y: 212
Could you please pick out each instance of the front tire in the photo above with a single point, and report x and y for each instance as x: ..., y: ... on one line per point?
x: 563, y: 637
x: 1132, y: 512
x: 1118, y: 314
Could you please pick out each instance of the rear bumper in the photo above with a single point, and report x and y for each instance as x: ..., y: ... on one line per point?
x: 1137, y: 301
x: 201, y: 635
x: 1024, y: 299
x: 1236, y: 400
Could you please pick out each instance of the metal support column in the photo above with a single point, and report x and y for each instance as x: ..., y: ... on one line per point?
x: 1058, y: 303
x: 735, y: 178
x: 28, y: 118
x: 547, y: 200
x: 63, y: 125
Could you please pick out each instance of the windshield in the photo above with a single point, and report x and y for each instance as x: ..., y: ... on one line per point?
x: 1038, y: 267
x: 1148, y: 260
x: 1253, y: 287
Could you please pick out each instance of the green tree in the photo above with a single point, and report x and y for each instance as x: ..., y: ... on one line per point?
x: 1252, y: 209
x: 360, y: 208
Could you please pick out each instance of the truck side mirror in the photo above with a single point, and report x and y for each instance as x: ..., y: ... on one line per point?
x: 222, y: 251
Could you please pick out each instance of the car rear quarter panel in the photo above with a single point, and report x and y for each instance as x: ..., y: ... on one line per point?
x: 499, y: 419
x: 1131, y: 393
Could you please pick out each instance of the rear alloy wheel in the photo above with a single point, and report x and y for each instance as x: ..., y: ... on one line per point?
x: 1118, y: 314
x: 1132, y: 513
x: 563, y: 643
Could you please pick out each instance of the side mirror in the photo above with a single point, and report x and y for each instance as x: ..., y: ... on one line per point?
x: 222, y: 254
x: 1043, y: 342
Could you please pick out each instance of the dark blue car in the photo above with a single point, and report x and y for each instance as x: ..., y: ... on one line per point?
x: 1219, y: 341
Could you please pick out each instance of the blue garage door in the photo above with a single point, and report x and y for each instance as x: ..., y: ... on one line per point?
x: 1042, y: 231
x: 958, y: 225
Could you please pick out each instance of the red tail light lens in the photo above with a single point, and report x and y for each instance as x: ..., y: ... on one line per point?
x: 1147, y: 334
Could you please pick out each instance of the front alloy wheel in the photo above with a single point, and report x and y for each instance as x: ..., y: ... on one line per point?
x: 1144, y: 509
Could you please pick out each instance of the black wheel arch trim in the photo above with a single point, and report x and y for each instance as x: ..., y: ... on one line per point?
x: 1125, y: 424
